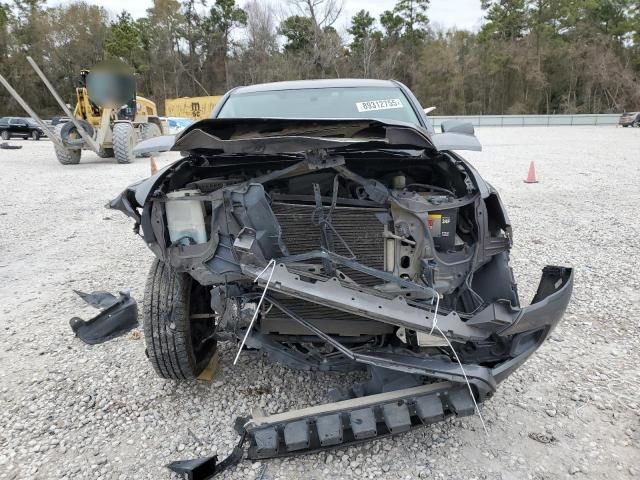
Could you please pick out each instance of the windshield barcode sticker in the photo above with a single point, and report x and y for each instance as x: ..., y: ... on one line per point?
x: 371, y: 105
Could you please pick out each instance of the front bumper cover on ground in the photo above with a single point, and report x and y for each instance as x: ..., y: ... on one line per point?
x: 355, y: 420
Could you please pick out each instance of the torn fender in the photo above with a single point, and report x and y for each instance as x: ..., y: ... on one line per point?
x: 534, y: 323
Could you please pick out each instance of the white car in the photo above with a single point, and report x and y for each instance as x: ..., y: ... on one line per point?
x: 177, y: 124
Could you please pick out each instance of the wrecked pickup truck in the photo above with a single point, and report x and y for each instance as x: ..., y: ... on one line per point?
x: 353, y: 239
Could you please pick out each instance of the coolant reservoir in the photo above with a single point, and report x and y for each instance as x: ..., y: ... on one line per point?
x: 185, y: 218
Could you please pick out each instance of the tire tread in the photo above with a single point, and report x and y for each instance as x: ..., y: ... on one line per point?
x: 122, y: 150
x: 165, y: 303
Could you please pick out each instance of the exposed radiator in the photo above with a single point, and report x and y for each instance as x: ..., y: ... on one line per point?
x: 359, y: 227
x: 362, y: 231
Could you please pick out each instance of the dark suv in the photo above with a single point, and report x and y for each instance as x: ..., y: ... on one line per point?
x: 19, y: 127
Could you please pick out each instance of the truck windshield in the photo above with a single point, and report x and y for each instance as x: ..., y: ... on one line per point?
x: 384, y: 103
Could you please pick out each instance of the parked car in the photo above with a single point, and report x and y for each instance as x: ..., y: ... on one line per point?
x: 20, y: 127
x: 326, y: 225
x: 177, y: 124
x: 630, y: 119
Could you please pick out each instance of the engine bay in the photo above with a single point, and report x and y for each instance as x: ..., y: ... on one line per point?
x: 386, y: 225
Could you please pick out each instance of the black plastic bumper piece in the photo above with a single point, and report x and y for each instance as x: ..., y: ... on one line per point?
x: 348, y: 422
x: 535, y: 322
x: 206, y: 467
x: 119, y: 315
x: 195, y: 469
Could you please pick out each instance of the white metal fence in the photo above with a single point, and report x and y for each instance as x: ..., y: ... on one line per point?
x: 531, y: 120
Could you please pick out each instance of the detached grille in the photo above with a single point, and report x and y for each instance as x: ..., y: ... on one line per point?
x: 362, y: 232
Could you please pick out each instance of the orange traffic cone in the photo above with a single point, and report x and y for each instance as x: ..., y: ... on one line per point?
x: 154, y: 165
x: 531, y: 177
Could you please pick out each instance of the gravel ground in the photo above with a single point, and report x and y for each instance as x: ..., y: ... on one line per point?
x: 68, y: 410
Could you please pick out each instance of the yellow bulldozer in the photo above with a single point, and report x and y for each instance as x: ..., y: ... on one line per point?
x: 109, y: 118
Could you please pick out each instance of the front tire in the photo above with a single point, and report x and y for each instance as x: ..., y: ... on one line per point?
x: 124, y: 139
x: 5, y: 135
x: 35, y: 135
x: 178, y: 336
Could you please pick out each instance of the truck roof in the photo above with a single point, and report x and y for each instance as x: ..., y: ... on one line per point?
x: 324, y: 83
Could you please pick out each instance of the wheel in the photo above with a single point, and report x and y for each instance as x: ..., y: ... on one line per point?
x: 5, y: 135
x: 178, y: 323
x: 636, y: 123
x: 149, y: 130
x: 35, y: 135
x: 124, y: 139
x: 66, y: 156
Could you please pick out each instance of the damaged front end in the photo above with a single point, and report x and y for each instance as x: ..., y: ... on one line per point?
x: 376, y: 250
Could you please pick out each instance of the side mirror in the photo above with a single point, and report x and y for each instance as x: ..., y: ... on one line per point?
x: 457, y: 126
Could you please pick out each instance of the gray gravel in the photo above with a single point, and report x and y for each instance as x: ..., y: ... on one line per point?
x: 72, y: 411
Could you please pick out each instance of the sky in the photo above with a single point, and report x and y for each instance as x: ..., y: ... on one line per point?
x: 446, y: 13
x: 442, y: 13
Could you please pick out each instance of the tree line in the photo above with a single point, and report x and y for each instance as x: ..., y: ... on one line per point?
x: 529, y: 56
